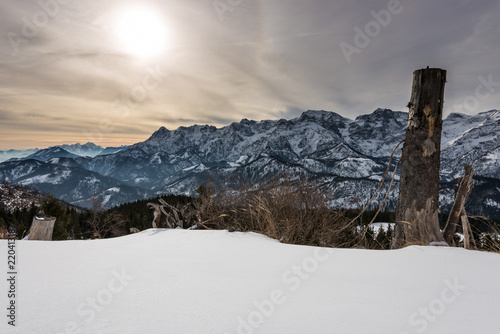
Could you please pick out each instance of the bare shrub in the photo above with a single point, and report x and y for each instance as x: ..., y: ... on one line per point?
x: 292, y: 211
x: 105, y: 224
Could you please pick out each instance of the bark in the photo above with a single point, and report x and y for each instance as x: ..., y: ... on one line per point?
x: 469, y: 242
x: 42, y: 227
x: 418, y: 203
x: 168, y: 216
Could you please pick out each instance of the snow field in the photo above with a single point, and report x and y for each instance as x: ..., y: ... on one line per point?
x: 179, y: 281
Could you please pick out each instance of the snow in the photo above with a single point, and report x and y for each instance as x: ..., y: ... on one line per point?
x: 492, y: 157
x: 189, y: 168
x: 196, y: 168
x: 52, y: 178
x: 155, y: 159
x: 91, y: 180
x: 492, y: 203
x: 355, y: 167
x: 376, y: 227
x: 460, y: 127
x: 20, y: 171
x: 457, y: 126
x: 178, y: 281
x: 105, y: 199
x: 242, y: 159
x: 140, y: 179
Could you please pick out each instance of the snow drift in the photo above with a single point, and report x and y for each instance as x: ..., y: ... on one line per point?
x: 178, y: 281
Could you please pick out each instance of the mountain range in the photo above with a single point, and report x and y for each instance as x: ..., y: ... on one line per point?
x: 348, y: 157
x: 86, y: 150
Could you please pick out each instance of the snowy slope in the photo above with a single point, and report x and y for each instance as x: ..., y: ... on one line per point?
x: 178, y: 281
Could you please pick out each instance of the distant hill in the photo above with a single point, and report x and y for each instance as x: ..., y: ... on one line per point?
x: 17, y: 196
x: 83, y: 150
x: 14, y: 196
x: 16, y: 154
x: 52, y: 152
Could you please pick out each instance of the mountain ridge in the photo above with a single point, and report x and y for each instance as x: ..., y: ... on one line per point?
x: 348, y: 157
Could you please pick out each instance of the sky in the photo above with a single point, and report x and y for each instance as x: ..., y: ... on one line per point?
x: 113, y: 72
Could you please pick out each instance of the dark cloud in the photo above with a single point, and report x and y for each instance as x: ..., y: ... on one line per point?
x: 6, y: 115
x: 46, y: 117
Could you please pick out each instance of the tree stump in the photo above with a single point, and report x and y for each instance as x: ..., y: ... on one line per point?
x: 42, y: 227
x: 418, y: 205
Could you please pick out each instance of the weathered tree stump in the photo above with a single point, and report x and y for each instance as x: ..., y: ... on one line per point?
x: 42, y: 227
x: 418, y: 205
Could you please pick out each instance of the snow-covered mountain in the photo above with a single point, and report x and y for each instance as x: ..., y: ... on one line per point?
x: 51, y: 153
x: 16, y: 154
x: 471, y: 139
x: 112, y: 150
x: 68, y: 181
x: 347, y: 156
x: 85, y: 150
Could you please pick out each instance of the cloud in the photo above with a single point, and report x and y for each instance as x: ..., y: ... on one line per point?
x: 6, y: 115
x: 262, y: 60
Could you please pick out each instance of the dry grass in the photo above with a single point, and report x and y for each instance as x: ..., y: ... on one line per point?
x: 294, y: 212
x: 4, y: 233
x: 488, y: 237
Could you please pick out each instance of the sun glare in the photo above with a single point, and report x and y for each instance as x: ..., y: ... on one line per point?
x: 142, y: 32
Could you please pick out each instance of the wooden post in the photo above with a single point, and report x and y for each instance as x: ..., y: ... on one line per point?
x: 469, y: 242
x: 465, y: 185
x: 42, y: 227
x: 418, y: 205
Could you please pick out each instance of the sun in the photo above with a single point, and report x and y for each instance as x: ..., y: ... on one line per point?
x: 142, y: 32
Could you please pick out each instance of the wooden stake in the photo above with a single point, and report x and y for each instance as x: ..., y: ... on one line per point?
x: 469, y: 242
x: 465, y: 185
